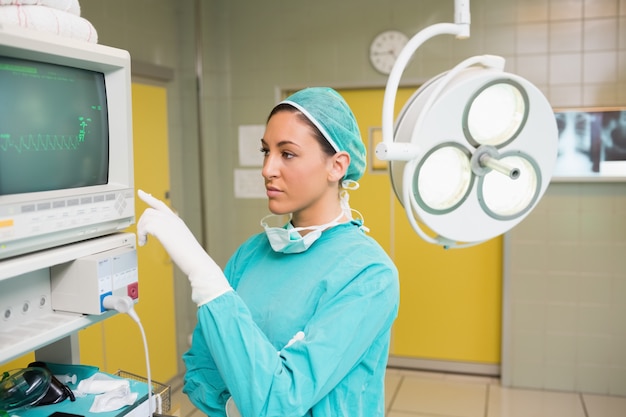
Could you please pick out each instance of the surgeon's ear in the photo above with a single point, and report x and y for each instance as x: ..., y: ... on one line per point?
x: 340, y: 163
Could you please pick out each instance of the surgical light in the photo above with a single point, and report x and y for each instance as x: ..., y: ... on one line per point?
x: 472, y: 150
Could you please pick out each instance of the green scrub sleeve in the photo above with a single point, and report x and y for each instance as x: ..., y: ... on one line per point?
x: 344, y: 342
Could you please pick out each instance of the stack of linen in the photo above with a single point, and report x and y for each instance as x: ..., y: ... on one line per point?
x: 59, y: 17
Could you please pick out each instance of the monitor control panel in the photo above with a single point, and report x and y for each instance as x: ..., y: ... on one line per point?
x: 25, y: 227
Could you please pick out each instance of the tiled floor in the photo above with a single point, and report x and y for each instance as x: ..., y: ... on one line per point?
x: 429, y: 394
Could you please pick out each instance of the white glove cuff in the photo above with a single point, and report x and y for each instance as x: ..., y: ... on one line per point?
x: 202, y: 301
x: 206, y: 288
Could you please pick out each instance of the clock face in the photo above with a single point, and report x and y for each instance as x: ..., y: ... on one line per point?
x: 385, y: 49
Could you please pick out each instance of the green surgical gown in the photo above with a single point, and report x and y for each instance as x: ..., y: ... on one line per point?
x: 342, y: 293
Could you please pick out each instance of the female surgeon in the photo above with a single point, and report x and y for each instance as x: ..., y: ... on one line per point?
x: 299, y: 321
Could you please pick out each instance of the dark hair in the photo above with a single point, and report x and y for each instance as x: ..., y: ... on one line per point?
x: 324, y: 144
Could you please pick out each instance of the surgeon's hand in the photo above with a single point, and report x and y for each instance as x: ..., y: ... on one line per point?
x: 206, y: 278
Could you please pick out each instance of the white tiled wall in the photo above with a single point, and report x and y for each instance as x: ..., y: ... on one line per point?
x: 565, y: 319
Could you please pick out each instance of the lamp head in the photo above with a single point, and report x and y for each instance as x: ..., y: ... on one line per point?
x: 484, y: 146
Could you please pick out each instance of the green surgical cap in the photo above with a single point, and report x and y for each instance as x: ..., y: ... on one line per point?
x: 330, y: 113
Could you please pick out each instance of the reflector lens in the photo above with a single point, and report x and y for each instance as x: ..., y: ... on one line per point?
x: 505, y: 197
x: 443, y: 179
x: 496, y: 114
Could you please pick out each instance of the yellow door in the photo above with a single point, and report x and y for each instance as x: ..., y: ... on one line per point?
x: 450, y: 300
x: 116, y: 343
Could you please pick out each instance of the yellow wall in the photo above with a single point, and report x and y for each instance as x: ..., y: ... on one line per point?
x: 20, y: 362
x: 450, y: 300
x: 116, y: 343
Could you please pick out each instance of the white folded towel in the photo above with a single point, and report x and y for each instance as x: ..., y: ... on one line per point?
x: 70, y: 6
x: 47, y: 19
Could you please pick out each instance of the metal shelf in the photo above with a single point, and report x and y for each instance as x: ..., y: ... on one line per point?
x: 42, y: 331
x: 28, y: 330
x: 19, y: 265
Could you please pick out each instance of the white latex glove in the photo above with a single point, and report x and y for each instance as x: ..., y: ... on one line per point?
x: 206, y: 278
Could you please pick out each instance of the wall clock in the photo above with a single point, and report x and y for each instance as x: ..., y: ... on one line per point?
x: 385, y: 48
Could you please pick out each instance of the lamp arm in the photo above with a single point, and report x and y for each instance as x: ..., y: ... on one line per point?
x: 387, y: 149
x: 462, y: 11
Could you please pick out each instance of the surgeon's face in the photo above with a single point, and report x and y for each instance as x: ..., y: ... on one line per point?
x: 298, y: 175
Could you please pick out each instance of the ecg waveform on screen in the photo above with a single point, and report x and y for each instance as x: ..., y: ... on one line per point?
x: 37, y: 142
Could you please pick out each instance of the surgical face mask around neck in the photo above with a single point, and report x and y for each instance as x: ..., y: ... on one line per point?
x: 288, y: 239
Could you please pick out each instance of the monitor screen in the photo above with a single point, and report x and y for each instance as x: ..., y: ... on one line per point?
x: 53, y: 127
